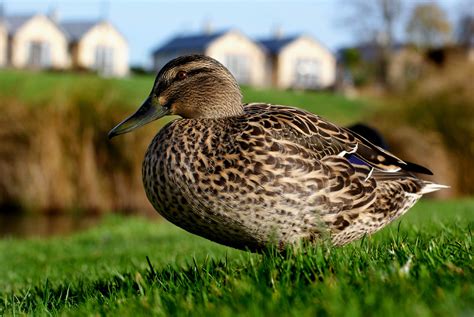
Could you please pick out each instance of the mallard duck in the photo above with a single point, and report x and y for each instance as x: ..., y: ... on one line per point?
x: 253, y: 175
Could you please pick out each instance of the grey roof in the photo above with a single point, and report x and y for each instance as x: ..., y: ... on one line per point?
x: 76, y: 29
x: 73, y: 30
x: 14, y: 22
x: 368, y: 51
x: 195, y: 42
x: 276, y: 44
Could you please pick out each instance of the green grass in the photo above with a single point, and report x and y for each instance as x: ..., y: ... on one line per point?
x: 43, y: 88
x: 40, y: 88
x: 421, y: 266
x: 329, y: 105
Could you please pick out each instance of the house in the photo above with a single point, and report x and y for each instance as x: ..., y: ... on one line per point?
x: 35, y: 41
x: 243, y: 57
x: 40, y: 42
x: 3, y: 43
x: 299, y: 62
x: 405, y: 66
x: 405, y: 63
x: 97, y: 45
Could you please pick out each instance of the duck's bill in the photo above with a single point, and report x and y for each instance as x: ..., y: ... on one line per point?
x: 145, y: 114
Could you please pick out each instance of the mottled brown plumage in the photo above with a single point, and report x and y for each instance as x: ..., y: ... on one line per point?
x: 257, y: 174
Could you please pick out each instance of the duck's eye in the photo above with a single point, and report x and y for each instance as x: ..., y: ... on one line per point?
x: 181, y: 75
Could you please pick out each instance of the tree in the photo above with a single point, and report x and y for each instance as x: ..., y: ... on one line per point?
x: 465, y: 31
x: 428, y: 26
x: 390, y: 10
x: 375, y: 21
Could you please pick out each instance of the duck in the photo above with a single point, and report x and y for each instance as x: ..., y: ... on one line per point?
x: 258, y: 175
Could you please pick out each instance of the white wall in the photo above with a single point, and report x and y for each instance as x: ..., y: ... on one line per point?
x: 3, y: 45
x: 106, y: 35
x: 236, y: 43
x: 40, y: 29
x: 305, y: 48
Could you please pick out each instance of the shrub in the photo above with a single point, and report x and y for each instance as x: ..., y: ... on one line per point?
x: 440, y: 106
x: 55, y: 155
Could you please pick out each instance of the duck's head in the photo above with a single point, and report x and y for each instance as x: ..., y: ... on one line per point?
x: 194, y: 86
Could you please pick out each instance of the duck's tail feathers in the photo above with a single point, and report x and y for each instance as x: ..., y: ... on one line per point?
x: 431, y: 187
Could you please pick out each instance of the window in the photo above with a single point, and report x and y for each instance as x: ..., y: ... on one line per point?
x: 39, y: 55
x: 239, y: 66
x: 104, y: 60
x: 307, y: 73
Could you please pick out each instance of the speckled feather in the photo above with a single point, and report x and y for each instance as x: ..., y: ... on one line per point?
x: 274, y: 175
x: 248, y: 176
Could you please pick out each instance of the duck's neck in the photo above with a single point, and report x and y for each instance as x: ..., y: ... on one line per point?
x: 226, y: 109
x: 227, y: 101
x: 222, y: 103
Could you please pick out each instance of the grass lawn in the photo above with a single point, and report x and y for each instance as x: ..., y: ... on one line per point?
x: 42, y: 88
x: 421, y: 266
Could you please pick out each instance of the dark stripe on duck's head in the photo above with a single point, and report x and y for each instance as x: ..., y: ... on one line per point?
x: 199, y: 71
x: 179, y: 61
x: 197, y: 86
x: 174, y: 64
x: 184, y: 60
x: 164, y: 83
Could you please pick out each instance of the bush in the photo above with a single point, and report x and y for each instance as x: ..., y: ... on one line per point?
x: 55, y: 155
x: 440, y: 106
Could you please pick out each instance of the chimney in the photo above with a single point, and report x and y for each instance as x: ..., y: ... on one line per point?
x: 54, y: 15
x: 277, y: 32
x: 207, y: 27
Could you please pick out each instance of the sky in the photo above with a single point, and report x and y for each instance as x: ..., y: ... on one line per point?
x: 146, y: 24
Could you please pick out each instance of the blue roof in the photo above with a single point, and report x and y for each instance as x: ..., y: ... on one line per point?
x: 76, y: 29
x: 14, y: 22
x: 276, y: 44
x: 368, y: 51
x: 195, y: 43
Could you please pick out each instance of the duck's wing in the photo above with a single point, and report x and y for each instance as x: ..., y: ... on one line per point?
x: 324, y: 138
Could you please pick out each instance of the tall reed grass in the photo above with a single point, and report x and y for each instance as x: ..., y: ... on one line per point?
x: 54, y: 151
x: 55, y: 155
x: 434, y: 121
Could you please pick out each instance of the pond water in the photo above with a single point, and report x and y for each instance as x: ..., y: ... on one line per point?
x: 24, y: 226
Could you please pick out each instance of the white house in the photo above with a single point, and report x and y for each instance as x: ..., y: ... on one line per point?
x: 97, y: 45
x: 40, y: 42
x: 3, y: 43
x: 299, y: 62
x: 243, y: 57
x: 35, y: 41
